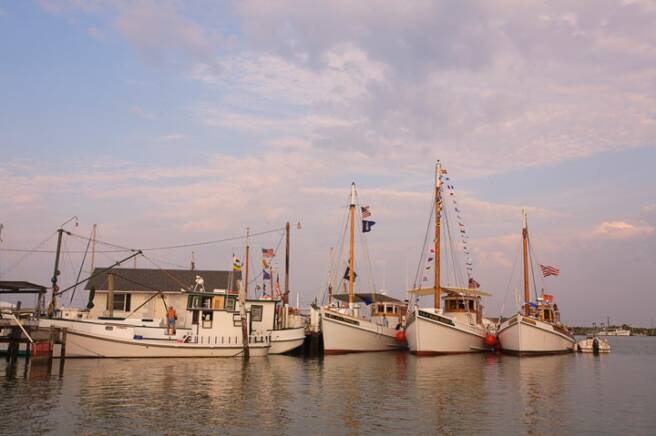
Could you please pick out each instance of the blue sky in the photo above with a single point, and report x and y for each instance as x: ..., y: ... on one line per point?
x: 170, y: 122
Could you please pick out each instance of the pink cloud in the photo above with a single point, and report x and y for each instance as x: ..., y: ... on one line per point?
x: 622, y: 230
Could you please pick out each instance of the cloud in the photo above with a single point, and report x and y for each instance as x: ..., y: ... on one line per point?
x: 96, y: 33
x: 622, y: 230
x: 141, y: 112
x: 158, y: 31
x: 173, y: 137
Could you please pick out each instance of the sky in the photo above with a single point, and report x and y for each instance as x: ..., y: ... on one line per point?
x: 175, y: 122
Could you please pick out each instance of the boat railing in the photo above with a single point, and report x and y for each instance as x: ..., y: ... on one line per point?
x: 224, y: 340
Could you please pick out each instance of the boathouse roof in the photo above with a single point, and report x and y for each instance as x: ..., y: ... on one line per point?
x: 20, y: 287
x: 166, y: 280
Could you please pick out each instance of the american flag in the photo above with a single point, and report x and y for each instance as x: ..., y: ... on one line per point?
x: 473, y: 284
x: 549, y: 270
x: 365, y: 212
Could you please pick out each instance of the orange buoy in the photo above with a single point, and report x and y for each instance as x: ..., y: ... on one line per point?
x: 400, y: 336
x: 491, y: 340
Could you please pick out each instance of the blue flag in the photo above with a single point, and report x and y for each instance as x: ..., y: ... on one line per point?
x: 367, y: 225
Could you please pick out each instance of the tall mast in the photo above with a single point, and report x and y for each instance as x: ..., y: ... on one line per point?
x: 248, y: 234
x: 438, y: 219
x: 285, y: 297
x: 242, y: 303
x: 55, y: 274
x: 525, y: 254
x: 351, y: 244
x: 93, y: 248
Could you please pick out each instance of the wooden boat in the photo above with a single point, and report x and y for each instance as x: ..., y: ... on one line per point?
x: 344, y: 328
x: 536, y: 329
x: 455, y: 325
x: 215, y: 331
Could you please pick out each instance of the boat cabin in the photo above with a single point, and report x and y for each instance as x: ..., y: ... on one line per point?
x: 467, y: 308
x: 384, y: 310
x: 216, y: 311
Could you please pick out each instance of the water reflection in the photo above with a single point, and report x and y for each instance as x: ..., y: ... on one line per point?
x: 351, y: 394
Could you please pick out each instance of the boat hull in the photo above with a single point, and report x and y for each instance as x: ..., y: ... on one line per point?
x: 525, y: 336
x: 587, y: 346
x: 83, y: 345
x: 286, y: 340
x: 119, y: 341
x: 346, y: 334
x: 430, y: 333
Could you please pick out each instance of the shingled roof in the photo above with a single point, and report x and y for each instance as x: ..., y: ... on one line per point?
x: 149, y: 280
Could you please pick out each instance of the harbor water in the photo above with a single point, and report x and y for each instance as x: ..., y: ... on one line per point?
x: 387, y: 393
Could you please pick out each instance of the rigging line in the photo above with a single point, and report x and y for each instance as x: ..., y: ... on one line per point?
x: 365, y: 245
x: 195, y: 244
x: 512, y: 276
x: 333, y: 280
x: 135, y: 282
x: 532, y: 261
x: 541, y: 278
x: 27, y: 254
x: 25, y: 250
x: 80, y: 271
x: 448, y: 239
x: 423, y: 247
x: 168, y: 273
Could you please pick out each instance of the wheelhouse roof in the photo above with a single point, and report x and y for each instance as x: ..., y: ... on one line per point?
x: 368, y: 298
x: 450, y: 291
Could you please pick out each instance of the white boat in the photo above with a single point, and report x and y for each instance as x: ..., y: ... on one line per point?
x: 616, y: 332
x: 537, y: 329
x: 344, y: 331
x: 285, y: 340
x: 343, y: 327
x: 593, y: 344
x: 606, y: 331
x: 215, y: 330
x: 455, y: 325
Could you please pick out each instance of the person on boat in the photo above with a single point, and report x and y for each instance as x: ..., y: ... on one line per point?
x: 171, y: 316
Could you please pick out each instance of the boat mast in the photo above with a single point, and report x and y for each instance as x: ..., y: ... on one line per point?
x: 285, y: 297
x: 525, y: 254
x: 93, y: 247
x: 438, y: 219
x: 351, y: 245
x: 242, y: 302
x: 55, y: 274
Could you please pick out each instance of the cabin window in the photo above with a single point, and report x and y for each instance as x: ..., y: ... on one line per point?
x: 195, y: 302
x: 207, y: 320
x: 389, y: 309
x: 380, y: 308
x: 230, y: 303
x: 256, y: 313
x: 218, y: 302
x: 122, y: 302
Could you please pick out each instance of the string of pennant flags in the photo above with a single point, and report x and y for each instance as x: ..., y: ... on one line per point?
x: 462, y: 231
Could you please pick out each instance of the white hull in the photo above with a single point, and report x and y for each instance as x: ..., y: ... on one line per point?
x: 587, y: 345
x: 346, y: 334
x: 527, y: 336
x: 430, y: 333
x: 90, y: 340
x: 618, y: 332
x: 286, y: 340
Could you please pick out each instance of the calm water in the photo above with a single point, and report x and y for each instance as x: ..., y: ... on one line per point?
x: 351, y: 394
